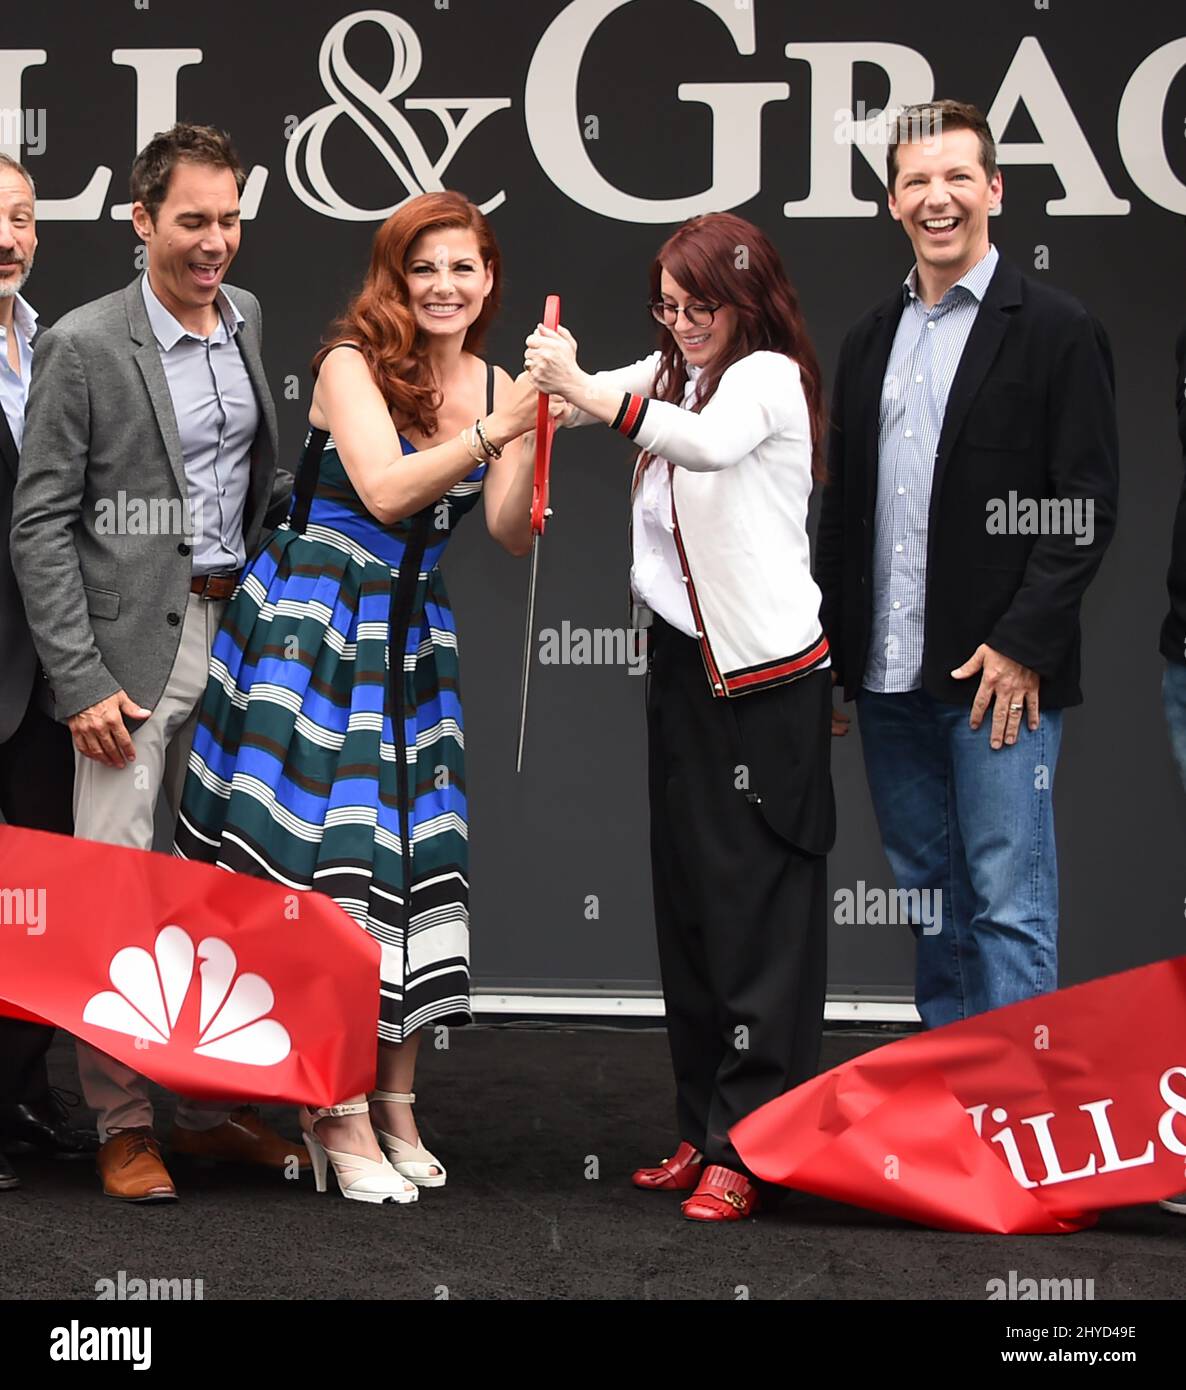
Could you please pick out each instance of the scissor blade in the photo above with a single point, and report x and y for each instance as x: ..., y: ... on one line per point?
x: 527, y: 641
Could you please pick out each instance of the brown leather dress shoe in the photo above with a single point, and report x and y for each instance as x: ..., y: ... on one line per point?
x: 242, y: 1138
x: 131, y: 1168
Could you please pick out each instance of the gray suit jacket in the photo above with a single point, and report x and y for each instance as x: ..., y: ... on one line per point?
x: 105, y: 609
x: 18, y: 660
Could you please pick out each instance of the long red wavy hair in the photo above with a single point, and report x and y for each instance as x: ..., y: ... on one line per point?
x: 378, y: 318
x: 720, y: 258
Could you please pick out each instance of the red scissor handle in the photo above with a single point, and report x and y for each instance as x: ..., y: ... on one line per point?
x: 545, y: 428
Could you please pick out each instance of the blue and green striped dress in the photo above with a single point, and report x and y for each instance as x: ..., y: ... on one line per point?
x: 330, y: 750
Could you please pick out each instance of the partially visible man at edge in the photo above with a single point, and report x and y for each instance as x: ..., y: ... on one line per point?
x: 36, y: 756
x: 1173, y: 633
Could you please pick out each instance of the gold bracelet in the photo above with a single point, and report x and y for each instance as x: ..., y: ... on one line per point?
x: 493, y: 451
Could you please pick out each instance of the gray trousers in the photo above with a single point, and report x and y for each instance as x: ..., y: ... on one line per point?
x: 117, y: 806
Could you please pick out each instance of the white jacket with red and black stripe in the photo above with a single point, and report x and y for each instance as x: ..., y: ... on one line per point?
x: 740, y: 473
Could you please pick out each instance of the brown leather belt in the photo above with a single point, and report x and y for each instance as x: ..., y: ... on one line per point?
x: 214, y: 586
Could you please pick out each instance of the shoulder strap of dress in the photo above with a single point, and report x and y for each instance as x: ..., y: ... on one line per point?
x: 310, y: 467
x: 489, y: 388
x: 306, y: 479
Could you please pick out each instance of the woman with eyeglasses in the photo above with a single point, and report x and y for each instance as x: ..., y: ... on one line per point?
x: 729, y: 414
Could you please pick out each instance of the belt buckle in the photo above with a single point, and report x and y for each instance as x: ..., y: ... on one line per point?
x: 205, y: 594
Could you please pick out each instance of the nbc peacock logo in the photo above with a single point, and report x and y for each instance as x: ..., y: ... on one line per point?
x: 152, y: 987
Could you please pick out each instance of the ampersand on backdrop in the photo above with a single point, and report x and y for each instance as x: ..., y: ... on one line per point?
x: 374, y: 113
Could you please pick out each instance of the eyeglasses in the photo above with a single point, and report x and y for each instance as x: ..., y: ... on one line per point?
x: 698, y: 315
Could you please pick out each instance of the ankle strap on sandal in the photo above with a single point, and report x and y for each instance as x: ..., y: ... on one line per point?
x: 355, y: 1108
x: 407, y: 1097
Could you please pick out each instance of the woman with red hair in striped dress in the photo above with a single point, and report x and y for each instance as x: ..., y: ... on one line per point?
x: 330, y: 748
x: 729, y: 415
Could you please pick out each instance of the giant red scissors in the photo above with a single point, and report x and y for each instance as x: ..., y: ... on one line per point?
x: 545, y: 428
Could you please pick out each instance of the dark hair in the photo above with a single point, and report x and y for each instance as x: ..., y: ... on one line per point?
x: 378, y: 318
x: 927, y: 121
x: 7, y: 162
x: 721, y: 258
x: 183, y: 143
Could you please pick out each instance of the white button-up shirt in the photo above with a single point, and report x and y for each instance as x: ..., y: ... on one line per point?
x: 14, y: 388
x: 656, y: 575
x: 217, y: 418
x: 923, y: 361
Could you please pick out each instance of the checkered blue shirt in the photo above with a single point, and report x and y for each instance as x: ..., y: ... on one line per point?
x: 922, y: 365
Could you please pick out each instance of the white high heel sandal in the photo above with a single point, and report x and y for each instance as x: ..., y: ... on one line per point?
x: 360, y: 1179
x: 413, y: 1161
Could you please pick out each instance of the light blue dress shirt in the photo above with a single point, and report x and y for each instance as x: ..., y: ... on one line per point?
x: 922, y: 365
x: 14, y: 389
x: 217, y: 419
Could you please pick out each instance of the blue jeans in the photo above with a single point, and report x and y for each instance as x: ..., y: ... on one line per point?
x: 976, y: 826
x: 1173, y: 697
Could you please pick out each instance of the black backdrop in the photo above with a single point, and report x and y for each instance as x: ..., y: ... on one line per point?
x: 572, y: 827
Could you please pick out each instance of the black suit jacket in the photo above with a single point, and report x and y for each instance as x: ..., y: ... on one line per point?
x: 1173, y: 630
x: 1031, y: 411
x: 18, y: 660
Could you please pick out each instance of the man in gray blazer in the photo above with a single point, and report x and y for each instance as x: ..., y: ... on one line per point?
x: 148, y: 476
x: 36, y: 755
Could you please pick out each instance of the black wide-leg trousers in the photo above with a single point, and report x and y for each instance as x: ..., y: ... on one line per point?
x: 36, y: 791
x: 742, y: 818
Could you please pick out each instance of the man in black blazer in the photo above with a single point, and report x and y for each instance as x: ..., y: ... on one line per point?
x: 36, y: 753
x: 1173, y: 629
x: 1173, y: 632
x: 973, y: 477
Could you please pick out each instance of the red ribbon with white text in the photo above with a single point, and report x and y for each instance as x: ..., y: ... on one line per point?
x: 1028, y: 1119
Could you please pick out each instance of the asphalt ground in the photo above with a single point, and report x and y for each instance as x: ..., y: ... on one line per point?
x: 539, y: 1127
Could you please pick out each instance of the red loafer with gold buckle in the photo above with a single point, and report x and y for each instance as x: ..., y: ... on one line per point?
x: 680, y: 1173
x: 721, y: 1195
